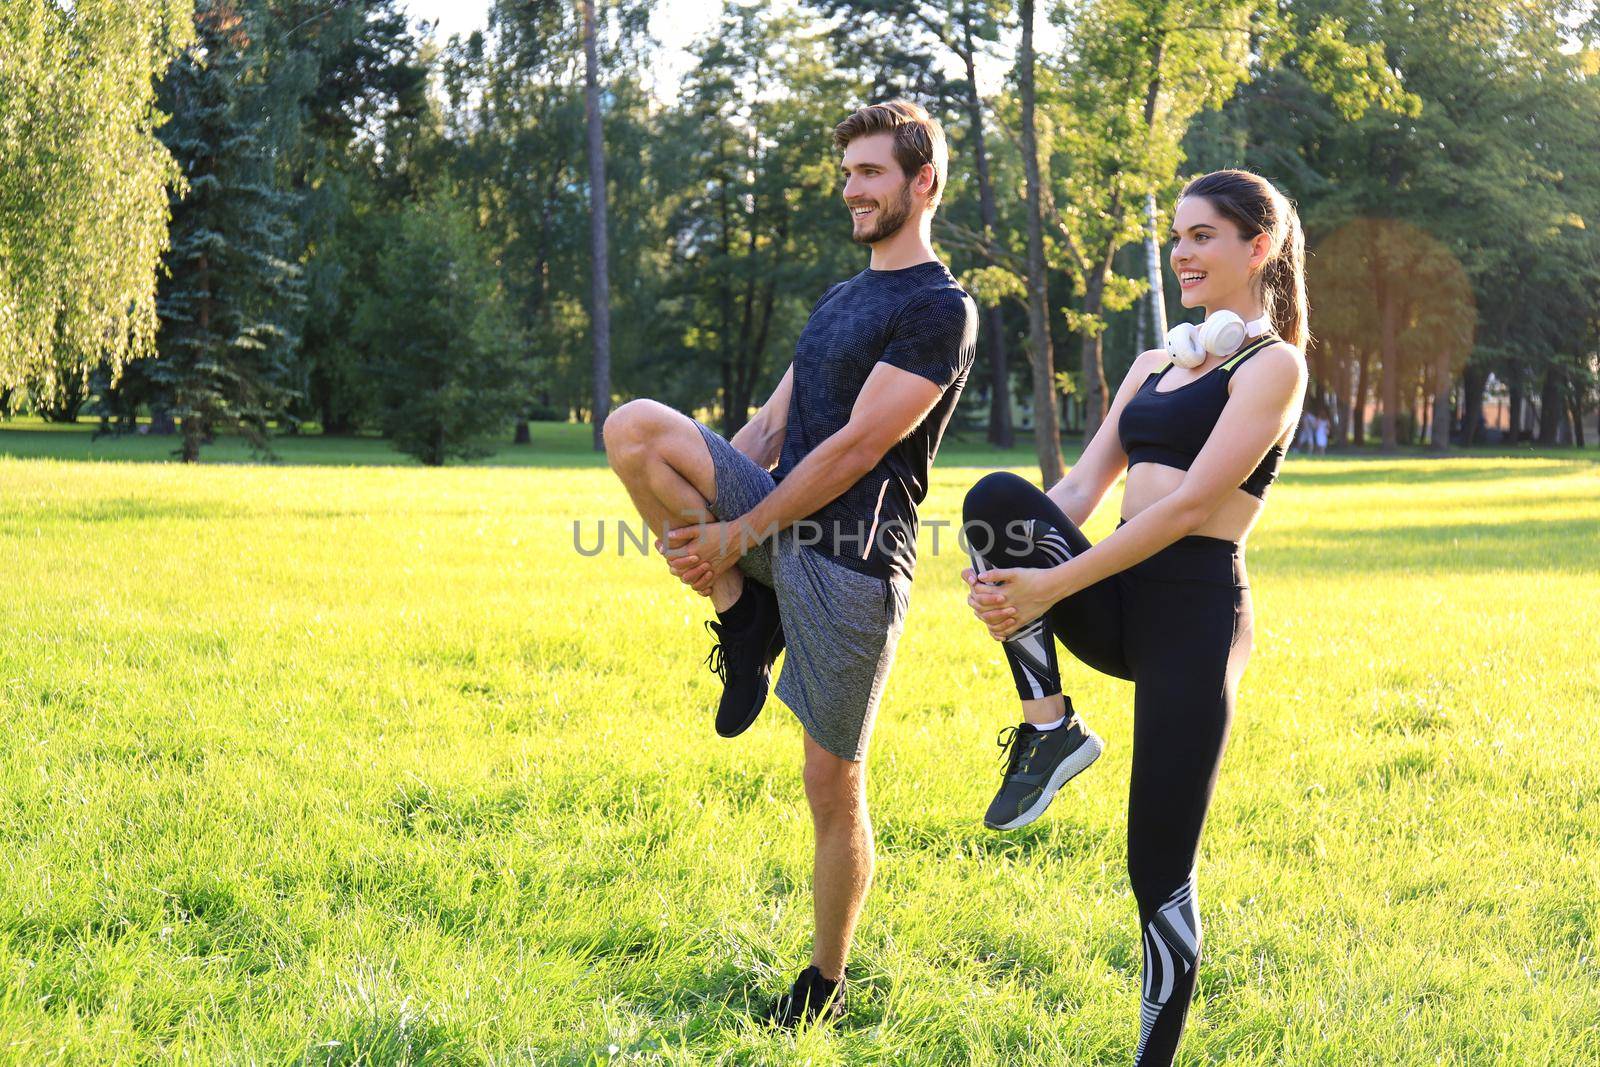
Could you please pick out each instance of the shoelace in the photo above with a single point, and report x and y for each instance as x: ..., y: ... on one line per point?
x: 1015, y: 750
x: 717, y: 659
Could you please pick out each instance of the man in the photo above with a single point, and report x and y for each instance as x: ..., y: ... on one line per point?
x: 813, y: 541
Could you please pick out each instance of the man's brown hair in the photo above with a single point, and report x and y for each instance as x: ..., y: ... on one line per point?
x: 918, y: 138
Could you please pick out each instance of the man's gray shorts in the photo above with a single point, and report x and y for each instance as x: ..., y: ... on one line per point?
x: 840, y: 626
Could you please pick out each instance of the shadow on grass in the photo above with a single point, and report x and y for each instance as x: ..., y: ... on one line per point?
x: 1570, y: 545
x: 969, y: 839
x: 127, y: 509
x: 553, y: 445
x: 1392, y: 470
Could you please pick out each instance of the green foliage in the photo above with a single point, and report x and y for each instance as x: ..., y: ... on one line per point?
x: 757, y: 231
x: 83, y: 185
x: 990, y: 285
x: 358, y: 92
x: 230, y: 302
x: 1490, y: 152
x: 439, y: 338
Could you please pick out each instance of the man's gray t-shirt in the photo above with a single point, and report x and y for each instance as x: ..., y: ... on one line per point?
x: 919, y: 320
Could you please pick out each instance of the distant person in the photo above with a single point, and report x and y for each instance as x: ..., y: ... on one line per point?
x: 1164, y: 601
x: 1323, y: 425
x: 819, y: 553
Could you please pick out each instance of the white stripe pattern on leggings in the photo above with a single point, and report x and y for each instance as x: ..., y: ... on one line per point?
x: 1031, y: 645
x: 1050, y: 542
x: 1171, y: 946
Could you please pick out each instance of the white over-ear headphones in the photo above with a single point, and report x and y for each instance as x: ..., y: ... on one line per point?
x: 1220, y: 335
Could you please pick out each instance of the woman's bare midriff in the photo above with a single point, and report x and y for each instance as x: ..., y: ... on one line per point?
x: 1148, y: 482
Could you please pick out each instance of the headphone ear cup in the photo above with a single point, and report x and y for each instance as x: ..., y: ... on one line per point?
x: 1183, y: 345
x: 1222, y: 333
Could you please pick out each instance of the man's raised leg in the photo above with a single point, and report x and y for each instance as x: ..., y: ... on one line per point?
x: 664, y: 464
x: 672, y: 476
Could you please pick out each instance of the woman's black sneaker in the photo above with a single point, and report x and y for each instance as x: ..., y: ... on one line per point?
x: 1038, y: 762
x: 813, y: 998
x: 746, y: 647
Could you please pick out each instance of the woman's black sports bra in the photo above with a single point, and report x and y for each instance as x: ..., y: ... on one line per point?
x: 1170, y: 428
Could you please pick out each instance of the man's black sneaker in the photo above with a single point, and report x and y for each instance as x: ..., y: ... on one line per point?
x: 1037, y: 764
x: 743, y: 657
x: 813, y: 998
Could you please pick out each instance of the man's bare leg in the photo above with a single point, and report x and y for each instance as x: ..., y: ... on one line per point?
x: 664, y: 464
x: 842, y: 863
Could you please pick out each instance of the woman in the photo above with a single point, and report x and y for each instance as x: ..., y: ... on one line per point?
x: 1201, y: 428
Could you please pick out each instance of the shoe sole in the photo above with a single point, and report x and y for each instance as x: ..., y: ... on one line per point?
x: 1074, y: 765
x: 761, y: 701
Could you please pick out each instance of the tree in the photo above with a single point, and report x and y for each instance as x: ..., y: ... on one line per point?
x: 1502, y: 128
x: 600, y: 306
x: 83, y: 186
x: 1046, y: 430
x: 1130, y: 80
x: 902, y: 38
x: 756, y: 231
x: 356, y: 81
x: 1397, y: 294
x: 230, y: 302
x: 439, y: 339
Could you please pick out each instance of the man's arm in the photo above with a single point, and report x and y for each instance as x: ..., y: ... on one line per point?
x: 762, y: 437
x: 891, y: 404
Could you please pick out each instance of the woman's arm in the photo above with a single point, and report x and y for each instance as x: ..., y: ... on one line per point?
x: 1103, y: 461
x: 1266, y: 396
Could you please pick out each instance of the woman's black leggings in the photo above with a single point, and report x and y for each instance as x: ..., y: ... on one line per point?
x: 1177, y: 625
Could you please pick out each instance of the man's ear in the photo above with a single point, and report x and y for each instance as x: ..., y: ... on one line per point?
x: 922, y: 185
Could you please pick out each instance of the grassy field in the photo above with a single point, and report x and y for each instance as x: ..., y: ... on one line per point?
x: 348, y: 761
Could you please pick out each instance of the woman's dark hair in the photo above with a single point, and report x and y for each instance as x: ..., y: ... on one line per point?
x: 1255, y: 206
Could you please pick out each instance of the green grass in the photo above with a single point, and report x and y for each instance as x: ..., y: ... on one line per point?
x: 350, y: 761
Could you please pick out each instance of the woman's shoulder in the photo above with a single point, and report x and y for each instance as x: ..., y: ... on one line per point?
x: 1279, y: 367
x: 1148, y: 361
x: 1280, y: 354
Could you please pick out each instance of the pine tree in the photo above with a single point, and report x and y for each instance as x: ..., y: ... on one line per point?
x: 229, y: 306
x: 439, y: 336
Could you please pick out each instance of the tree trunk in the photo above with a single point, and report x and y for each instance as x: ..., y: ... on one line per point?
x: 1046, y: 434
x: 1471, y: 404
x: 601, y: 296
x: 1358, y: 418
x: 1152, y: 237
x: 1514, y: 420
x: 1341, y: 398
x: 1576, y: 403
x: 1001, y: 434
x: 1551, y: 407
x: 523, y: 434
x: 1388, y: 309
x: 1152, y: 265
x: 1091, y: 363
x: 191, y: 440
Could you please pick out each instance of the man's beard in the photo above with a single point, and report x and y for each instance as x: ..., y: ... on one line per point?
x: 890, y: 218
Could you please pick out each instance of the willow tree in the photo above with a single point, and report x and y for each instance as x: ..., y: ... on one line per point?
x: 83, y: 185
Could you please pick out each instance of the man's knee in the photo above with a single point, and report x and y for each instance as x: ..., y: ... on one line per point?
x: 835, y: 787
x: 630, y: 429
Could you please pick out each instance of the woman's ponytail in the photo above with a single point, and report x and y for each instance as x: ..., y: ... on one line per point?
x: 1283, y: 283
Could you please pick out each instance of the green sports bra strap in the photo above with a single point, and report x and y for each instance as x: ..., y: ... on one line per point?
x: 1249, y: 350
